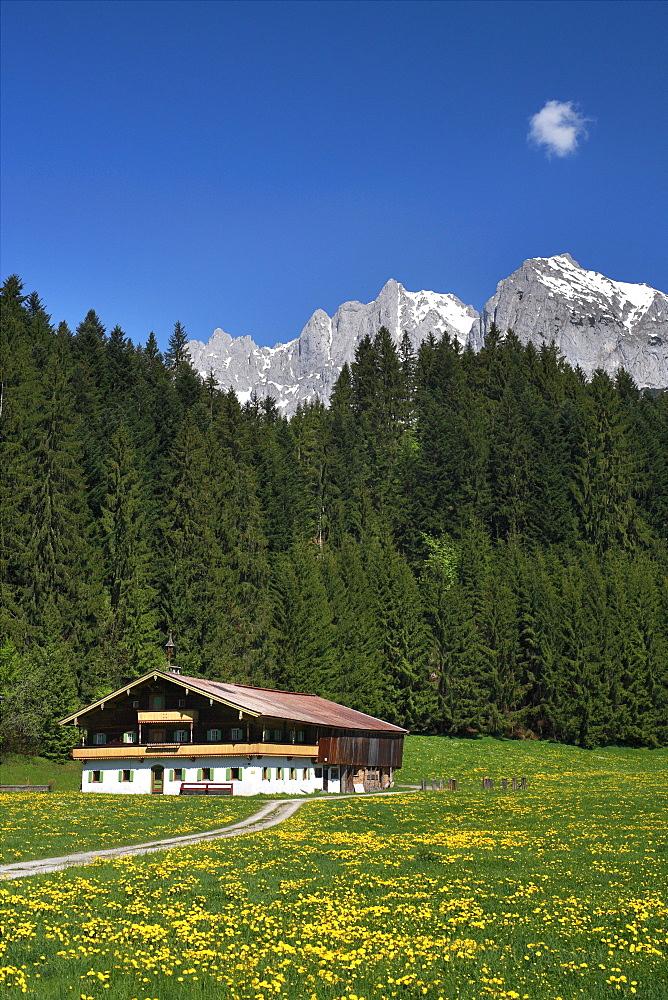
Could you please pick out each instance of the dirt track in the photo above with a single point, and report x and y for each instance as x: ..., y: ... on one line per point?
x: 269, y: 815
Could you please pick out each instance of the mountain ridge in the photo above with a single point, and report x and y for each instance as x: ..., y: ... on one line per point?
x: 595, y: 322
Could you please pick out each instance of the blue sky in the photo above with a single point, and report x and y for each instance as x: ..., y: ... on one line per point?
x: 242, y: 164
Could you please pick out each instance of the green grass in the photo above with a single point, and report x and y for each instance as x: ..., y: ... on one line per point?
x: 549, y: 764
x: 18, y: 770
x: 51, y: 825
x: 555, y: 892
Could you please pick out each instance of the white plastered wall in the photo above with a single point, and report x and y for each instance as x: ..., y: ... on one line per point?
x: 251, y: 782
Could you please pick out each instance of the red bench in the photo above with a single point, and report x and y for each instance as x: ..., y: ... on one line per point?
x: 205, y: 788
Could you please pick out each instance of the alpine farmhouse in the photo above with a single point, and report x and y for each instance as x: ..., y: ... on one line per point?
x: 165, y: 733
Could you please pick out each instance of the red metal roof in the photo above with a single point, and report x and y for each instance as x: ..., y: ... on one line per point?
x: 308, y: 708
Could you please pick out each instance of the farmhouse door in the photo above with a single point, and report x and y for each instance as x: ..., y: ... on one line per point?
x: 157, y: 779
x: 325, y: 779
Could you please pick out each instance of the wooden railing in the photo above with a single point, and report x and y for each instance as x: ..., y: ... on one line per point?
x: 248, y: 750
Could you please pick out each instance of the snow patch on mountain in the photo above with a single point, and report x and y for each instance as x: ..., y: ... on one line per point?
x: 572, y: 281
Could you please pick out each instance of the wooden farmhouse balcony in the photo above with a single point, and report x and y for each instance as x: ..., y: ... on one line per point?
x: 177, y: 715
x: 192, y: 750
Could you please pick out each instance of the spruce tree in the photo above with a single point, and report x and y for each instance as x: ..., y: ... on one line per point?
x: 303, y: 629
x: 131, y: 631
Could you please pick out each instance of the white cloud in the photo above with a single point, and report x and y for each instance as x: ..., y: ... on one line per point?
x: 558, y: 127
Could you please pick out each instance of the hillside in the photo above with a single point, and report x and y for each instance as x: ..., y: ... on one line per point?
x: 464, y: 542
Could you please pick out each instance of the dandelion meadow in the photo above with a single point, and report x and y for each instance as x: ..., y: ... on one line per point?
x: 553, y: 893
x: 50, y: 825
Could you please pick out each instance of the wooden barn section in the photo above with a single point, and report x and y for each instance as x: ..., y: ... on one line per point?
x: 364, y: 758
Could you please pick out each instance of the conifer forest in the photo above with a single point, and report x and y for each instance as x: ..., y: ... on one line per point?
x: 460, y: 543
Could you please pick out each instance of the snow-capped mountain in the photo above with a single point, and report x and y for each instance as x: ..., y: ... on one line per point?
x: 307, y: 368
x: 595, y: 323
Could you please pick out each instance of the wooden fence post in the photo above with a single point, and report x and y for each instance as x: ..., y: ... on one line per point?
x: 514, y: 784
x: 424, y: 785
x: 523, y: 782
x: 504, y: 784
x: 452, y: 784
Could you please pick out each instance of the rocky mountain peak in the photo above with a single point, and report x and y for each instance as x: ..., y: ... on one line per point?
x: 595, y: 322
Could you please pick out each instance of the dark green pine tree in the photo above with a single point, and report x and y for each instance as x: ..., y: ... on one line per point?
x: 349, y: 507
x: 382, y: 419
x: 193, y: 562
x: 607, y: 480
x: 357, y: 641
x: 158, y: 416
x: 19, y: 405
x: 648, y: 417
x: 39, y: 329
x: 511, y: 464
x: 63, y: 595
x: 123, y: 374
x: 290, y: 510
x: 91, y: 385
x: 185, y: 379
x: 310, y: 426
x: 406, y: 644
x: 176, y: 353
x: 473, y: 660
x: 580, y: 710
x: 215, y: 568
x: 244, y: 653
x: 634, y: 640
x: 363, y: 375
x: 444, y: 470
x: 498, y: 620
x: 537, y: 604
x: 131, y: 639
x: 452, y: 666
x: 303, y: 629
x: 408, y: 362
